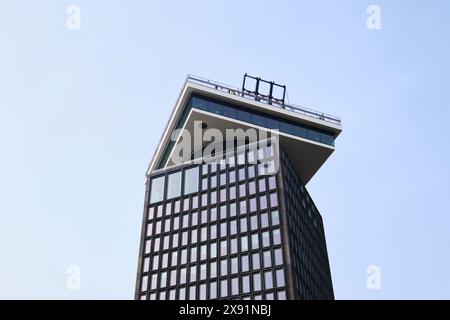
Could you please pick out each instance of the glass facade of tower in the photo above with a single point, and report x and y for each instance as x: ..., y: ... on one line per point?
x: 225, y: 230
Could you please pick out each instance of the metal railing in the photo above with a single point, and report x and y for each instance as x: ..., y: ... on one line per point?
x: 238, y: 92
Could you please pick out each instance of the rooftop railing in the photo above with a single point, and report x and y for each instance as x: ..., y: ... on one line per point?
x: 261, y: 98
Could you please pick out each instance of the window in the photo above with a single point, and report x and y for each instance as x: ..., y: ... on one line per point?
x: 282, y: 295
x: 263, y: 202
x: 262, y: 185
x: 232, y: 193
x: 163, y: 280
x: 242, y: 190
x: 213, y: 231
x: 213, y: 181
x: 273, y: 200
x: 157, y: 243
x: 257, y: 281
x: 175, y: 240
x: 203, y: 252
x: 166, y: 242
x: 254, y: 222
x: 184, y: 256
x: 267, y: 259
x: 244, y: 263
x: 244, y: 243
x: 223, y: 194
x: 251, y: 188
x: 223, y: 212
x: 245, y: 284
x: 223, y: 267
x: 174, y: 185
x: 186, y: 204
x: 223, y: 288
x: 232, y: 209
x: 278, y: 256
x: 167, y: 225
x: 204, y: 184
x: 266, y: 239
x: 243, y: 224
x: 234, y: 265
x: 144, y: 283
x: 158, y: 227
x: 213, y: 214
x: 223, y: 179
x: 148, y: 245
x: 272, y: 183
x: 213, y: 197
x: 223, y: 229
x: 151, y: 212
x: 172, y: 294
x: 252, y: 204
x: 182, y: 294
x: 202, y: 291
x: 176, y: 223
x: 157, y: 189
x: 203, y: 271
x: 223, y: 248
x: 234, y: 286
x: 203, y: 234
x: 165, y: 260
x: 241, y: 174
x: 275, y: 218
x: 173, y: 260
x: 233, y: 227
x: 192, y: 293
x: 264, y: 220
x: 233, y: 246
x: 193, y: 274
x: 276, y: 236
x: 279, y: 274
x: 193, y: 254
x: 255, y: 241
x: 232, y: 176
x: 194, y: 236
x: 155, y: 264
x: 185, y: 220
x: 213, y: 290
x: 204, y: 216
x: 184, y: 238
x: 213, y: 250
x: 191, y: 180
x: 146, y: 264
x: 251, y: 172
x: 194, y: 202
x: 154, y: 281
x: 194, y: 218
x: 243, y: 206
x: 213, y: 269
x: 268, y: 280
x: 255, y: 261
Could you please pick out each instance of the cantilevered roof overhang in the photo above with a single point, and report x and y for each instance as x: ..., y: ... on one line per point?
x: 307, y: 155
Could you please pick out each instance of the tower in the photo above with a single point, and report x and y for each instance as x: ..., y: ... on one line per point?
x: 229, y: 216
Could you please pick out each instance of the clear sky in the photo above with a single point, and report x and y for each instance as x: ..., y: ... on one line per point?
x: 81, y: 113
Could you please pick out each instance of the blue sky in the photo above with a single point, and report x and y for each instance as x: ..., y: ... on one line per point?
x: 81, y: 113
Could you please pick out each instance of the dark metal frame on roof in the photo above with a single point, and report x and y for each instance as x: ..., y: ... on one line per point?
x: 258, y: 95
